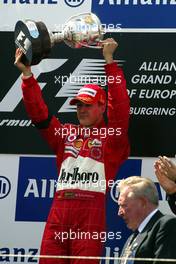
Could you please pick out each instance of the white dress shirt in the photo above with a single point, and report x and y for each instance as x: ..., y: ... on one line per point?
x: 146, y: 220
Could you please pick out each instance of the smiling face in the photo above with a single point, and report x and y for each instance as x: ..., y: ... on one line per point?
x: 131, y: 209
x: 90, y: 115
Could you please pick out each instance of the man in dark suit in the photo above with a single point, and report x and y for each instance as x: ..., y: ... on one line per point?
x: 156, y: 233
x: 165, y: 170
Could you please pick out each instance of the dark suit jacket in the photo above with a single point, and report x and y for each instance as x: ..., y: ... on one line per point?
x: 172, y: 202
x: 157, y: 240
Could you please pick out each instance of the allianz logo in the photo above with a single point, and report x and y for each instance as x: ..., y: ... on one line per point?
x: 18, y: 255
x: 70, y: 3
x: 40, y: 188
x: 138, y: 2
x: 5, y: 187
x: 74, y: 3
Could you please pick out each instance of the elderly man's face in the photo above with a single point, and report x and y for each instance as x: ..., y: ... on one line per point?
x: 131, y: 209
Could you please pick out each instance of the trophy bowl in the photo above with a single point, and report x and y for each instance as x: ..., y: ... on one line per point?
x: 84, y: 30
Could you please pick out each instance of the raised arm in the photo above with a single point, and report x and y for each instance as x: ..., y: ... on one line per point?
x: 118, y: 103
x: 117, y: 144
x: 118, y: 99
x: 35, y: 106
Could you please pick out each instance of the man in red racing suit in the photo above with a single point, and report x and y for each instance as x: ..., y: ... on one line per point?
x: 88, y: 158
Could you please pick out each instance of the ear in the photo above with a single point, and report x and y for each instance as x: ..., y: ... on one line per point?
x: 103, y: 108
x: 144, y: 201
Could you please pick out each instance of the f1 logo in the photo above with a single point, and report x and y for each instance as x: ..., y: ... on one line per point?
x: 14, y: 95
x: 23, y: 41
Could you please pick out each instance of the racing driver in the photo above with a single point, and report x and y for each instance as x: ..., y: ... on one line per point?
x: 85, y: 159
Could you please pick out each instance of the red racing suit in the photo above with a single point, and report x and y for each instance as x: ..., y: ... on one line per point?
x: 86, y: 165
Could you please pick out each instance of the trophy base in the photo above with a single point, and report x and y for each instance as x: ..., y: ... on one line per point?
x: 34, y: 40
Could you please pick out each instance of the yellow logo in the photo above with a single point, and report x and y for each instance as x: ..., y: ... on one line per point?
x: 78, y: 143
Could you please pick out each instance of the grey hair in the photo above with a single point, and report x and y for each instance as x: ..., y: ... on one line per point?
x: 140, y: 187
